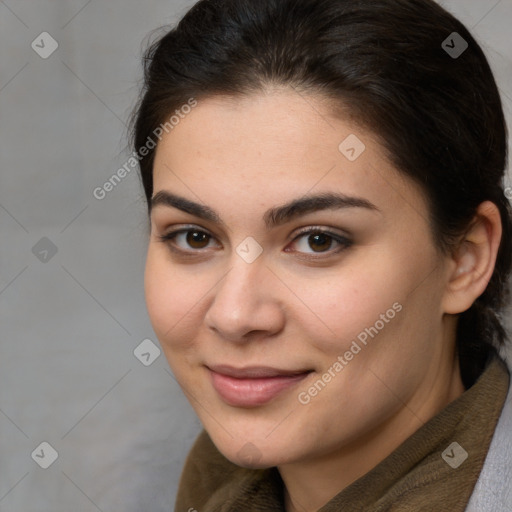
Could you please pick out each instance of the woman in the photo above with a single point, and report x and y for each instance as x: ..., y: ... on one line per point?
x: 329, y: 251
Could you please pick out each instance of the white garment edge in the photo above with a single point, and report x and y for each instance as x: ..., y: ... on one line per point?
x: 493, y: 490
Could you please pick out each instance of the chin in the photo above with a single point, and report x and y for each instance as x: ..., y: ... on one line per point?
x: 249, y: 454
x: 250, y: 457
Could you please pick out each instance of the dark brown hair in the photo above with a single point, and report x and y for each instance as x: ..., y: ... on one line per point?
x: 438, y: 115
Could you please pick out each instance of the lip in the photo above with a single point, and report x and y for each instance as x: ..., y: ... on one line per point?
x: 252, y: 386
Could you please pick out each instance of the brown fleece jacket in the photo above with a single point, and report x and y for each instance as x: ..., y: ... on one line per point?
x: 417, y: 477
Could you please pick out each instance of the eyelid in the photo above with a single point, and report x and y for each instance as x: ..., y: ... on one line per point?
x: 319, y: 229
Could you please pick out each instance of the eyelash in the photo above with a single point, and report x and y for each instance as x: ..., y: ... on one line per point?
x: 344, y: 242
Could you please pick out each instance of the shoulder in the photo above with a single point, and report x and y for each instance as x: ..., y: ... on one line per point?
x: 204, y: 471
x: 210, y: 482
x: 493, y: 490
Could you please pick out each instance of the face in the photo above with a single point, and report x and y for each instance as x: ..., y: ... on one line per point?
x: 291, y: 278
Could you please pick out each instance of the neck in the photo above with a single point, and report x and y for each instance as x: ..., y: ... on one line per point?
x: 310, y: 484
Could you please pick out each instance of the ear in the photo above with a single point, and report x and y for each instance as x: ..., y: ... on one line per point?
x: 472, y: 264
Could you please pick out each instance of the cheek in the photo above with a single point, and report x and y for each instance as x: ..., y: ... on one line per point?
x: 379, y: 295
x: 346, y: 304
x: 170, y: 299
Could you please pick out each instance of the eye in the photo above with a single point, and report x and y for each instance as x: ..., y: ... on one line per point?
x: 310, y: 241
x: 320, y: 241
x: 187, y: 239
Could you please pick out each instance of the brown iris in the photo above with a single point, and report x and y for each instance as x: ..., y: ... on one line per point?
x: 321, y: 240
x: 195, y: 239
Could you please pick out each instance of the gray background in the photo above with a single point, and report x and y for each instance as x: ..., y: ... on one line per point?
x: 70, y: 321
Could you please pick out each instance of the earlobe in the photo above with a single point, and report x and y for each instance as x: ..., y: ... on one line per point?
x: 473, y: 262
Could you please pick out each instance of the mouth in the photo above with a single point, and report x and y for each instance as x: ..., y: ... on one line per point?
x: 252, y: 386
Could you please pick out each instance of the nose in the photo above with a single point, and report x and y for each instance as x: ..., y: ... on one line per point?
x: 247, y: 302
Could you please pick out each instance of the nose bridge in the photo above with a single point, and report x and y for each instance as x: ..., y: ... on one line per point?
x: 243, y: 301
x: 241, y: 286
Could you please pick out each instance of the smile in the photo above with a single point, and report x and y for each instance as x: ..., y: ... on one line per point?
x: 254, y: 386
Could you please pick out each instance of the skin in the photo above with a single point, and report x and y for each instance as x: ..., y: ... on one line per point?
x: 209, y: 306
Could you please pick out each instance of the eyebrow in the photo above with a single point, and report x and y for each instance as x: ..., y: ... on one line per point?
x: 273, y: 217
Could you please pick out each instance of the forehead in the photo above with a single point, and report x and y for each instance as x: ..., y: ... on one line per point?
x: 268, y: 147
